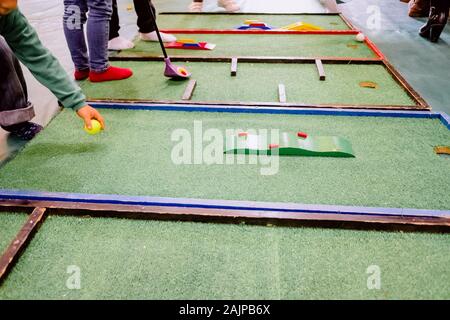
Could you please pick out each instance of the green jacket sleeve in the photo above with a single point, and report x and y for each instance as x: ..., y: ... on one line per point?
x: 25, y: 44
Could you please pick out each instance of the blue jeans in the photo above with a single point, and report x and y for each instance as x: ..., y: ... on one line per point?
x: 75, y: 17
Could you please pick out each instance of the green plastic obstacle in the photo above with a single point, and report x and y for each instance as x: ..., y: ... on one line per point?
x: 290, y: 144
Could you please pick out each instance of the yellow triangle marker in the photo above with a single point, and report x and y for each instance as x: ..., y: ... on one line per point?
x: 186, y: 41
x: 301, y: 26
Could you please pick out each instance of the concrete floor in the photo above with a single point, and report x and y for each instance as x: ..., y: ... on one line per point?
x: 426, y: 66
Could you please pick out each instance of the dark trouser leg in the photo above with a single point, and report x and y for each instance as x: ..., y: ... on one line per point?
x: 114, y: 24
x: 14, y: 105
x: 437, y: 20
x: 145, y: 21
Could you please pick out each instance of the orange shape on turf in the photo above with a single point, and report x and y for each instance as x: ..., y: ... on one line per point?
x: 368, y: 84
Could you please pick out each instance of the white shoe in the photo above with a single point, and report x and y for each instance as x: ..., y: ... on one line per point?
x: 228, y: 5
x: 120, y: 43
x: 152, y: 36
x: 196, y: 7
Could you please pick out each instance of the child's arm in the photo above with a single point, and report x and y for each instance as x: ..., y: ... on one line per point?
x: 24, y: 42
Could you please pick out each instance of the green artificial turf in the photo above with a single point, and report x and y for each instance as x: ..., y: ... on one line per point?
x: 232, y: 21
x: 231, y: 45
x: 10, y: 224
x: 132, y: 259
x: 256, y: 82
x: 395, y: 165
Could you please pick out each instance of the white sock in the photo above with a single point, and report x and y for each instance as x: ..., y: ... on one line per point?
x: 152, y: 36
x: 120, y: 43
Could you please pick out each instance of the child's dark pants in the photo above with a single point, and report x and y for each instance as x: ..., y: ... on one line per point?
x: 14, y: 105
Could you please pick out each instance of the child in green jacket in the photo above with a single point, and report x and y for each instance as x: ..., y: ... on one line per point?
x: 20, y: 42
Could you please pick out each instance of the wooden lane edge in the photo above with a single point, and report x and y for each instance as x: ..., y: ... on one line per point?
x: 347, y: 21
x: 224, y: 215
x: 256, y: 104
x: 422, y: 114
x: 23, y: 237
x: 374, y: 48
x: 406, y: 86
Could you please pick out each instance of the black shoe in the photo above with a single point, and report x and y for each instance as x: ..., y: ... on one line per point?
x: 435, y: 24
x: 24, y: 130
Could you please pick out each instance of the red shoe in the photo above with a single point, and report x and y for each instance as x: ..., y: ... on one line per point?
x: 81, y: 74
x: 112, y: 73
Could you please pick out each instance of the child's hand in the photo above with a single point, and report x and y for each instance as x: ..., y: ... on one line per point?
x: 87, y: 113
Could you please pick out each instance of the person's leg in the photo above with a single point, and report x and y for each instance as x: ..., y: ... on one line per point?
x: 73, y: 26
x: 15, y: 109
x: 145, y: 21
x: 100, y: 12
x: 228, y: 5
x: 196, y: 6
x: 97, y: 35
x: 116, y: 42
x: 439, y: 12
x: 145, y: 12
x: 114, y: 23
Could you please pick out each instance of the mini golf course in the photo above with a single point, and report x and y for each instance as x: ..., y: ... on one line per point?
x: 139, y: 224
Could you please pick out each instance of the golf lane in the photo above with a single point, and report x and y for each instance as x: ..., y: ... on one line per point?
x: 395, y: 165
x: 232, y: 21
x: 256, y: 82
x: 261, y: 45
x: 144, y: 259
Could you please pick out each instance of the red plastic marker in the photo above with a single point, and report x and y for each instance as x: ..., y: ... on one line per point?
x: 273, y: 146
x: 302, y: 135
x: 242, y: 134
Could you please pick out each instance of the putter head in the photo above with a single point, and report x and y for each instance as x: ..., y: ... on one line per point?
x: 175, y: 72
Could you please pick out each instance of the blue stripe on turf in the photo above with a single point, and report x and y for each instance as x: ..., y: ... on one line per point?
x: 269, y: 110
x: 30, y: 195
x: 445, y: 119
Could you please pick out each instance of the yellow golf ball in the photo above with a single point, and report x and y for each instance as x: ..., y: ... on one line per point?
x: 96, y: 127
